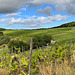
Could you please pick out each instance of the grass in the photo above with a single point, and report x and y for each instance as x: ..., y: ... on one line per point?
x: 57, y: 33
x: 3, y: 71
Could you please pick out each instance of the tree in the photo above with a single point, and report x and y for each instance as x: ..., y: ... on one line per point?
x: 43, y: 40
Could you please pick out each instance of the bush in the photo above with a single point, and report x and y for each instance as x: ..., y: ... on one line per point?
x: 4, y: 40
x: 39, y: 41
x: 16, y: 44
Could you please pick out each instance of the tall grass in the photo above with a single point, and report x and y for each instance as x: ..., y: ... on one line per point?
x: 61, y: 69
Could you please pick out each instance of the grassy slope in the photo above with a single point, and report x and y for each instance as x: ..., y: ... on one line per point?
x: 64, y: 33
x: 57, y: 33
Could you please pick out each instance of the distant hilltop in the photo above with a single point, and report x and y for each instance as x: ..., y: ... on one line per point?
x: 70, y: 24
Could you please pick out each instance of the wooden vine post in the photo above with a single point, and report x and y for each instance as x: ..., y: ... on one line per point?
x: 3, y: 51
x: 56, y: 48
x: 30, y: 56
x: 55, y: 62
x: 11, y: 50
x: 69, y: 57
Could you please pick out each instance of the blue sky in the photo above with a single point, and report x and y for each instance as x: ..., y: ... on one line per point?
x: 33, y: 14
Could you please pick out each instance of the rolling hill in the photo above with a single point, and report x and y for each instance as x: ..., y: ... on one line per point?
x: 57, y: 33
x: 71, y: 24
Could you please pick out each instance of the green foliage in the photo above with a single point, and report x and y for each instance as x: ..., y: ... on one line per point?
x: 39, y: 41
x: 19, y: 62
x: 4, y: 40
x: 14, y: 63
x: 17, y: 45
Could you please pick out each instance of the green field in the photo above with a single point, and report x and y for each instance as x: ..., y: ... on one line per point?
x: 57, y: 33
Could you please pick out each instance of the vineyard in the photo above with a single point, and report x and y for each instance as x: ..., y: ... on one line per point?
x: 56, y: 59
x: 37, y: 37
x: 56, y: 33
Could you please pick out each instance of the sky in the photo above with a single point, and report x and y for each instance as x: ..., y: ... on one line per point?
x: 34, y: 14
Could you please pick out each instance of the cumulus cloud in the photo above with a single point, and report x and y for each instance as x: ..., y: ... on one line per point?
x: 60, y: 5
x: 46, y: 11
x: 8, y: 6
x: 67, y: 5
x: 30, y: 17
x: 37, y: 3
x: 13, y: 14
x: 35, y: 22
x: 3, y: 20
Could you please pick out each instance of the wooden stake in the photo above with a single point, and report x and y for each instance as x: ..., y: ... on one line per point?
x: 69, y: 58
x: 55, y: 62
x: 30, y: 57
x: 12, y: 51
x: 55, y: 66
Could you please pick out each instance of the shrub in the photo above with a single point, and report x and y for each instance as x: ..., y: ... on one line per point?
x: 16, y: 44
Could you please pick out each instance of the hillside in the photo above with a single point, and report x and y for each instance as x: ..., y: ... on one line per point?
x: 57, y: 33
x: 71, y: 24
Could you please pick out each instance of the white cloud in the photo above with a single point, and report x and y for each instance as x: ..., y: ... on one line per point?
x: 3, y: 20
x: 30, y: 17
x: 35, y: 22
x: 46, y: 11
x: 23, y: 9
x: 14, y: 21
x: 13, y: 14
